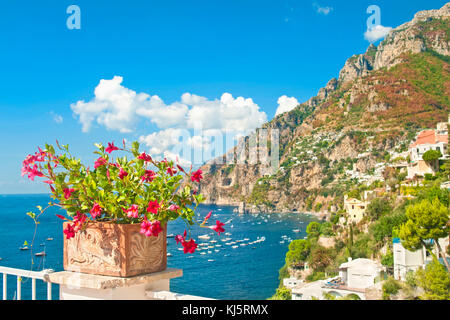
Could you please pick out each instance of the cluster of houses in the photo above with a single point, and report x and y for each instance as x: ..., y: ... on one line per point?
x: 426, y: 140
x: 362, y: 277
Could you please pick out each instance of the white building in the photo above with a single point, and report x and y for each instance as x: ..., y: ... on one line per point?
x: 405, y: 260
x: 359, y: 273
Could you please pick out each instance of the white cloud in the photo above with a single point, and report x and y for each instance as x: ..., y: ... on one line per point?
x: 322, y: 10
x: 114, y: 106
x: 118, y: 108
x: 56, y: 117
x: 376, y: 33
x: 286, y: 104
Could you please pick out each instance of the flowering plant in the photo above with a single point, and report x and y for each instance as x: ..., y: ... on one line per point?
x: 141, y: 190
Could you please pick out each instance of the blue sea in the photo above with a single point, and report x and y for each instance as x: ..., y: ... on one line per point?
x: 247, y: 272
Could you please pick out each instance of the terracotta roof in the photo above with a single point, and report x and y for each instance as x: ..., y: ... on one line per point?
x: 429, y: 137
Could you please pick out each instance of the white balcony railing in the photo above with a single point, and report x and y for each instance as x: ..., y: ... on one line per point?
x: 76, y: 286
x: 20, y: 274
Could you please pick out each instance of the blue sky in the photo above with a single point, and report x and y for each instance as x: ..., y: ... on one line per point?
x: 252, y: 49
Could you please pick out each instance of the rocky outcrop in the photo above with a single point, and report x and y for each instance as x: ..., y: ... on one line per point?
x: 418, y: 35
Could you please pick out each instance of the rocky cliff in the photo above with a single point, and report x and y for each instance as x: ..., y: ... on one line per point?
x: 368, y: 114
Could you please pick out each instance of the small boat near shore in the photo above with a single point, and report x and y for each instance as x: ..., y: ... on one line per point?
x: 24, y: 248
x: 40, y: 254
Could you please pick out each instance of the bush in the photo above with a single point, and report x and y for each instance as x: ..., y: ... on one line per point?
x: 390, y: 287
x: 282, y: 293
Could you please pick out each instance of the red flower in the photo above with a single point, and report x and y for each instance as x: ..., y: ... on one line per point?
x: 122, y: 173
x: 218, y: 227
x: 96, y: 210
x: 111, y: 147
x: 69, y: 231
x: 145, y: 157
x: 150, y: 228
x: 197, y: 175
x: 68, y: 192
x: 99, y: 162
x: 174, y: 207
x: 153, y: 207
x: 133, y: 212
x: 171, y: 171
x: 148, y: 176
x: 189, y: 246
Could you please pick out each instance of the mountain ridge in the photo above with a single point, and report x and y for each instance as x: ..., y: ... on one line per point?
x: 376, y: 106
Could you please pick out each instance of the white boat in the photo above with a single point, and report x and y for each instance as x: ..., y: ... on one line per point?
x: 202, y: 253
x: 210, y: 260
x: 40, y: 254
x: 170, y: 235
x: 243, y: 244
x: 246, y: 239
x: 216, y: 250
x: 24, y: 248
x: 169, y: 254
x: 234, y: 247
x: 205, y: 236
x: 228, y: 234
x: 209, y: 252
x: 296, y: 230
x: 213, y: 241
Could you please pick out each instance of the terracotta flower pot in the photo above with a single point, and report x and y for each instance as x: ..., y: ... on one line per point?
x: 115, y: 250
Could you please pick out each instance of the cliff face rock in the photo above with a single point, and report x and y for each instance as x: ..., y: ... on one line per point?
x: 424, y: 32
x: 358, y: 65
x: 376, y: 106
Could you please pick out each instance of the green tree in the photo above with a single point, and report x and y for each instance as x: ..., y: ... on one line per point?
x: 313, y: 229
x: 378, y: 208
x: 435, y: 281
x: 326, y: 229
x: 298, y: 252
x: 431, y: 155
x: 320, y: 258
x: 388, y: 259
x: 426, y: 220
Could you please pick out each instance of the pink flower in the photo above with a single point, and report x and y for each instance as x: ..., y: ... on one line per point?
x: 100, y: 162
x: 153, y: 207
x: 111, y: 147
x: 207, y: 217
x: 218, y: 227
x: 197, y: 175
x: 174, y: 207
x: 78, y: 221
x: 96, y: 210
x: 133, y: 211
x: 148, y: 176
x: 122, y: 173
x: 145, y: 157
x: 32, y: 172
x: 68, y: 192
x: 179, y: 238
x: 69, y: 231
x: 150, y: 228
